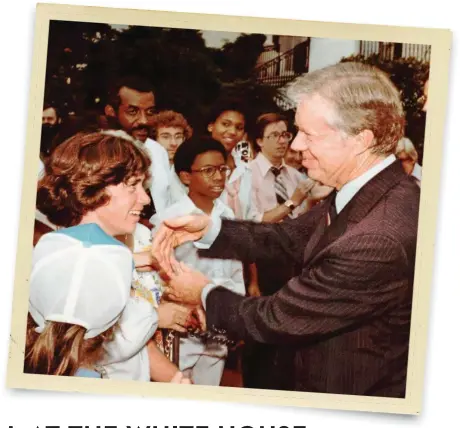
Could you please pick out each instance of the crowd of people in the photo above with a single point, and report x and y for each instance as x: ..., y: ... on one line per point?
x: 122, y: 196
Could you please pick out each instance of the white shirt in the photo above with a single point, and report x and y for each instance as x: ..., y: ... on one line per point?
x: 228, y: 273
x: 178, y: 189
x: 346, y: 193
x: 161, y: 174
x: 241, y: 181
x: 126, y: 355
x: 263, y: 185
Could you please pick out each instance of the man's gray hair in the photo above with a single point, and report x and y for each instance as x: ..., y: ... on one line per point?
x: 362, y: 97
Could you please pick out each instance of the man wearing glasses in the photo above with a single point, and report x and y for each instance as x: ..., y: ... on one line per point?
x: 278, y: 189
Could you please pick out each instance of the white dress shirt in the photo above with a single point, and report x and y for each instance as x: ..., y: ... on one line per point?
x: 263, y: 185
x: 160, y: 174
x: 346, y: 193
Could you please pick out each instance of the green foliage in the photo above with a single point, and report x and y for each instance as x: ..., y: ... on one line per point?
x: 409, y: 76
x: 187, y: 75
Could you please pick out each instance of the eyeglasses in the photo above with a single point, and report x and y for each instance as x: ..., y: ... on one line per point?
x: 168, y: 137
x: 210, y: 171
x: 276, y: 136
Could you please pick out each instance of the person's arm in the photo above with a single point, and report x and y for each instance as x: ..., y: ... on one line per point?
x: 136, y: 326
x: 161, y: 369
x: 365, y: 279
x: 282, y: 211
x: 252, y: 242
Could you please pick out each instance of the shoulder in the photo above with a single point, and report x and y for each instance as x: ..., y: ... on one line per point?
x: 395, y: 215
x: 293, y: 173
x: 89, y: 234
x: 156, y: 150
x: 223, y: 210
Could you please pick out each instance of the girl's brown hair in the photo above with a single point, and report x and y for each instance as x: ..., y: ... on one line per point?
x: 80, y: 169
x: 61, y: 348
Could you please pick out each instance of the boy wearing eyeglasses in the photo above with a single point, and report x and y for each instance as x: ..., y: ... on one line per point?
x: 201, y: 165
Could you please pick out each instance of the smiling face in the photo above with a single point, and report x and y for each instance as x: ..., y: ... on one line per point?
x: 329, y: 156
x: 199, y: 183
x: 121, y: 214
x: 136, y: 112
x: 228, y: 129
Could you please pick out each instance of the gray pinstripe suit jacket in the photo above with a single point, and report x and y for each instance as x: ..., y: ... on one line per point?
x: 345, y: 319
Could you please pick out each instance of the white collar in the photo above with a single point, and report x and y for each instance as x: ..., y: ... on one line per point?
x: 265, y: 165
x: 346, y: 193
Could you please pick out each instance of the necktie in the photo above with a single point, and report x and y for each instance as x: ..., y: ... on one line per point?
x: 280, y: 188
x: 332, y: 208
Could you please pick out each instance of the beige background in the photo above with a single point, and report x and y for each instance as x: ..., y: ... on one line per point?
x: 439, y: 40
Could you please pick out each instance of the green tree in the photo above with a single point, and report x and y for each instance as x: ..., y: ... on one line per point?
x: 72, y: 62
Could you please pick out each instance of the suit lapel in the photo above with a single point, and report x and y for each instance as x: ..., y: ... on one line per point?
x: 358, y: 207
x: 319, y: 230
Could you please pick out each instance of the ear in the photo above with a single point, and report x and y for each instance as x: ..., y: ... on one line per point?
x: 185, y: 177
x: 259, y: 142
x: 365, y: 140
x: 109, y: 111
x: 210, y: 127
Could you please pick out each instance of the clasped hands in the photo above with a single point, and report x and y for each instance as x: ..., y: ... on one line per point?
x: 184, y: 284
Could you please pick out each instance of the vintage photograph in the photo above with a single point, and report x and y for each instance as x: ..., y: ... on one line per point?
x: 226, y: 208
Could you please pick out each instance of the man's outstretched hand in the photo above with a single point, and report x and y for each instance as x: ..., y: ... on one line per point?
x: 174, y: 232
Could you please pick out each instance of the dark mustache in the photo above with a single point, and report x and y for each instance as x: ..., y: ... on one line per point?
x: 141, y: 128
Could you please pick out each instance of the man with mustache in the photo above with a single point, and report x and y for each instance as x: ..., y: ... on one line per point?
x: 131, y: 107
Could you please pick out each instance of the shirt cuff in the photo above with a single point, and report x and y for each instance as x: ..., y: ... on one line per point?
x: 207, y: 240
x: 204, y: 293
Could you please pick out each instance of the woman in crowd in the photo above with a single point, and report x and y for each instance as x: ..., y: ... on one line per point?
x: 84, y: 319
x: 226, y: 124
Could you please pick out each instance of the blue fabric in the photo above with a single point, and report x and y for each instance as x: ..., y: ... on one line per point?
x: 81, y: 372
x: 90, y: 234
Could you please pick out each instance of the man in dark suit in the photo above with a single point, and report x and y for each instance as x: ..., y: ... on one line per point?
x: 345, y: 319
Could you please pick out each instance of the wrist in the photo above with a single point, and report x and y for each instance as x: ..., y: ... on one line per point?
x: 291, y: 204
